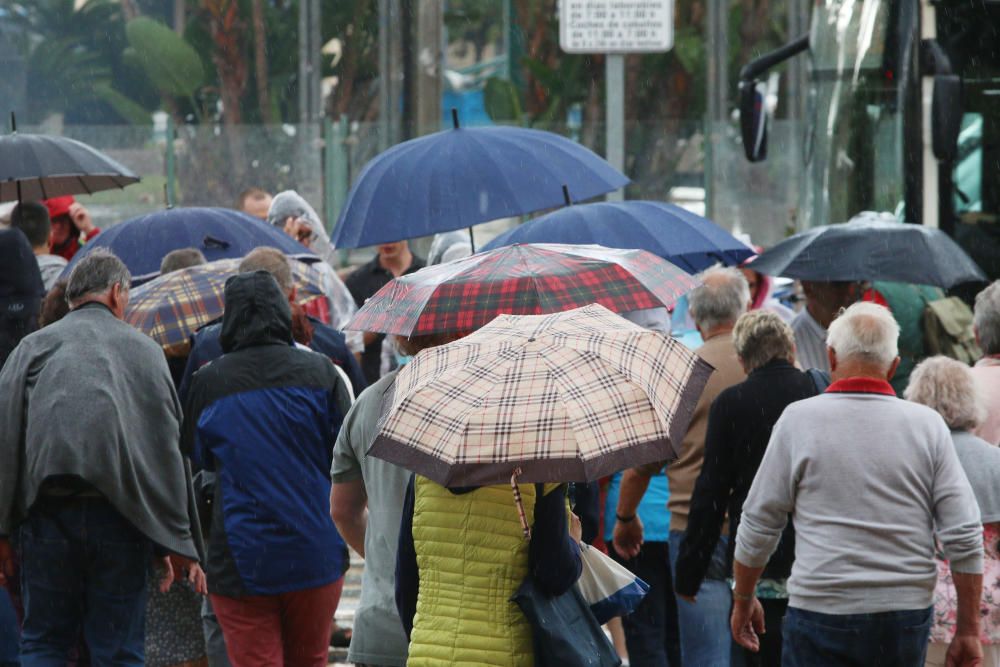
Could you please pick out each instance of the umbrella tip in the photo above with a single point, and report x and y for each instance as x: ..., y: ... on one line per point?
x: 454, y: 117
x: 13, y: 122
x: 566, y: 197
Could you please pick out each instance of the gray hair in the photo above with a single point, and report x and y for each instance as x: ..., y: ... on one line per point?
x: 947, y: 386
x: 987, y: 318
x: 182, y: 258
x: 95, y: 274
x: 866, y: 331
x: 274, y: 262
x: 721, y: 298
x: 760, y: 337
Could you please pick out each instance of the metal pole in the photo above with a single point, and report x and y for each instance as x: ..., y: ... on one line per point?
x: 341, y: 175
x: 384, y: 75
x: 303, y: 62
x: 615, y: 115
x: 171, y: 165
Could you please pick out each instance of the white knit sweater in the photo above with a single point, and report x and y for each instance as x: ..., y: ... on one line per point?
x: 868, y: 480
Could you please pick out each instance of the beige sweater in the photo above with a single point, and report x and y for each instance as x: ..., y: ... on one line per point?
x: 683, y: 473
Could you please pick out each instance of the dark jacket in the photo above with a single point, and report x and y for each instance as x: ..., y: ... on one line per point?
x: 264, y: 417
x: 739, y: 428
x: 205, y: 347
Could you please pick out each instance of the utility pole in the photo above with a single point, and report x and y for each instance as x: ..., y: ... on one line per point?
x: 390, y: 67
x: 426, y: 62
x: 310, y: 90
x: 718, y: 60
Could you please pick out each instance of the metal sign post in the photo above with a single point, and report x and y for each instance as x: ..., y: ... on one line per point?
x: 616, y: 28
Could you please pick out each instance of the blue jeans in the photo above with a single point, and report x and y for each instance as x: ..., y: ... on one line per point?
x: 887, y: 639
x: 704, y: 625
x: 651, y: 633
x: 83, y: 565
x: 8, y: 631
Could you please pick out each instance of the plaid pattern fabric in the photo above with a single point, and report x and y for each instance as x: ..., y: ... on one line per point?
x: 529, y: 279
x: 584, y: 389
x: 172, y: 307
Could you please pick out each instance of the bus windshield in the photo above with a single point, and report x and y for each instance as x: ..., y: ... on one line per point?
x: 854, y: 129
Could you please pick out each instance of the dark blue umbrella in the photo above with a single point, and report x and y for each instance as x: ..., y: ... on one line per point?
x: 461, y: 177
x: 871, y: 246
x: 219, y: 233
x: 688, y: 240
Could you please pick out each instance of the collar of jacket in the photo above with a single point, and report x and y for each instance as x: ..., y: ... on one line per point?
x: 861, y: 385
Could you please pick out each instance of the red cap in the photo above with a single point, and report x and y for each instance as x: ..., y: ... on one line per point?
x: 59, y: 205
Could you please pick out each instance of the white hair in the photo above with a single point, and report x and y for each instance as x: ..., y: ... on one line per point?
x: 987, y: 318
x: 865, y: 331
x: 947, y: 386
x: 721, y: 298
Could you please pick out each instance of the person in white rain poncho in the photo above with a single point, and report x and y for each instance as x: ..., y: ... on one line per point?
x: 290, y: 211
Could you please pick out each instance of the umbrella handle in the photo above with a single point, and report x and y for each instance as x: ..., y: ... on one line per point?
x: 520, y: 505
x: 212, y: 242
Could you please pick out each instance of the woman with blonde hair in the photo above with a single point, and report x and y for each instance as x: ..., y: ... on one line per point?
x: 948, y: 387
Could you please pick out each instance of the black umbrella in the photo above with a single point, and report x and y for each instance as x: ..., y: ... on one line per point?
x: 37, y: 166
x: 871, y: 246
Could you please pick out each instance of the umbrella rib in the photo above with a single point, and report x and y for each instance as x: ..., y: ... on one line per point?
x: 83, y: 184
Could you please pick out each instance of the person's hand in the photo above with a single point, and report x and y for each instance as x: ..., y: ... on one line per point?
x: 174, y: 565
x: 964, y: 651
x: 747, y: 622
x: 298, y: 229
x: 81, y: 218
x: 6, y: 561
x: 575, y: 527
x: 627, y: 537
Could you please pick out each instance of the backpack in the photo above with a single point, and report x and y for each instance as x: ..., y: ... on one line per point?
x: 948, y: 330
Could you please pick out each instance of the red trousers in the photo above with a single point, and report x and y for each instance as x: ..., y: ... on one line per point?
x: 284, y: 630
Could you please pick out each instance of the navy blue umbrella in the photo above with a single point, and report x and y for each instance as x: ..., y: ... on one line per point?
x: 219, y: 233
x: 871, y: 246
x: 461, y: 177
x: 688, y: 240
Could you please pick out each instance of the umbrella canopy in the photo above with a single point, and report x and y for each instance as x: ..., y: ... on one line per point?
x: 460, y: 177
x: 690, y: 241
x: 871, y: 246
x: 219, y: 233
x: 520, y: 280
x: 568, y: 397
x: 36, y: 166
x: 172, y: 307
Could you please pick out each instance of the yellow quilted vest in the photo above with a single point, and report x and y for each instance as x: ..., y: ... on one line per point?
x: 471, y: 556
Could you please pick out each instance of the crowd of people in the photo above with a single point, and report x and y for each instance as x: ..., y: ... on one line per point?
x: 836, y: 499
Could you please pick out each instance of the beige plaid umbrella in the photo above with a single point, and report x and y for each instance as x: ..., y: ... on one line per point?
x: 572, y: 396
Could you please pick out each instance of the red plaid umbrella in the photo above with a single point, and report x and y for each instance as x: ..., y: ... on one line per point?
x: 523, y: 279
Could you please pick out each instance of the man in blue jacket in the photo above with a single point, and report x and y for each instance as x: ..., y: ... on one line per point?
x: 264, y: 417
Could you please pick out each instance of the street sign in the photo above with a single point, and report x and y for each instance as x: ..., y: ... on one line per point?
x: 616, y: 26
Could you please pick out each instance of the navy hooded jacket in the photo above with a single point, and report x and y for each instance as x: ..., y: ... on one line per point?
x: 265, y: 417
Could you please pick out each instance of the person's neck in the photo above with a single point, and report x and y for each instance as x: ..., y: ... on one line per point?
x: 714, y: 332
x: 397, y: 265
x: 858, y: 369
x: 821, y: 315
x: 40, y: 250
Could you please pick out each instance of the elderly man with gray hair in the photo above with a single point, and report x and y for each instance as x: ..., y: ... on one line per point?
x: 93, y: 484
x: 869, y: 481
x: 986, y: 324
x: 715, y: 305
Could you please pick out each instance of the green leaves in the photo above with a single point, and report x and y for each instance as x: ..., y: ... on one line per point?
x: 502, y: 101
x: 172, y: 65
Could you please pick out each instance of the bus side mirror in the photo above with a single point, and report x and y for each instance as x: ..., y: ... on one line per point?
x: 753, y: 120
x: 946, y: 116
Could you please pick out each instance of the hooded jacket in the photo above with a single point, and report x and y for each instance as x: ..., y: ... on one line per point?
x: 264, y: 417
